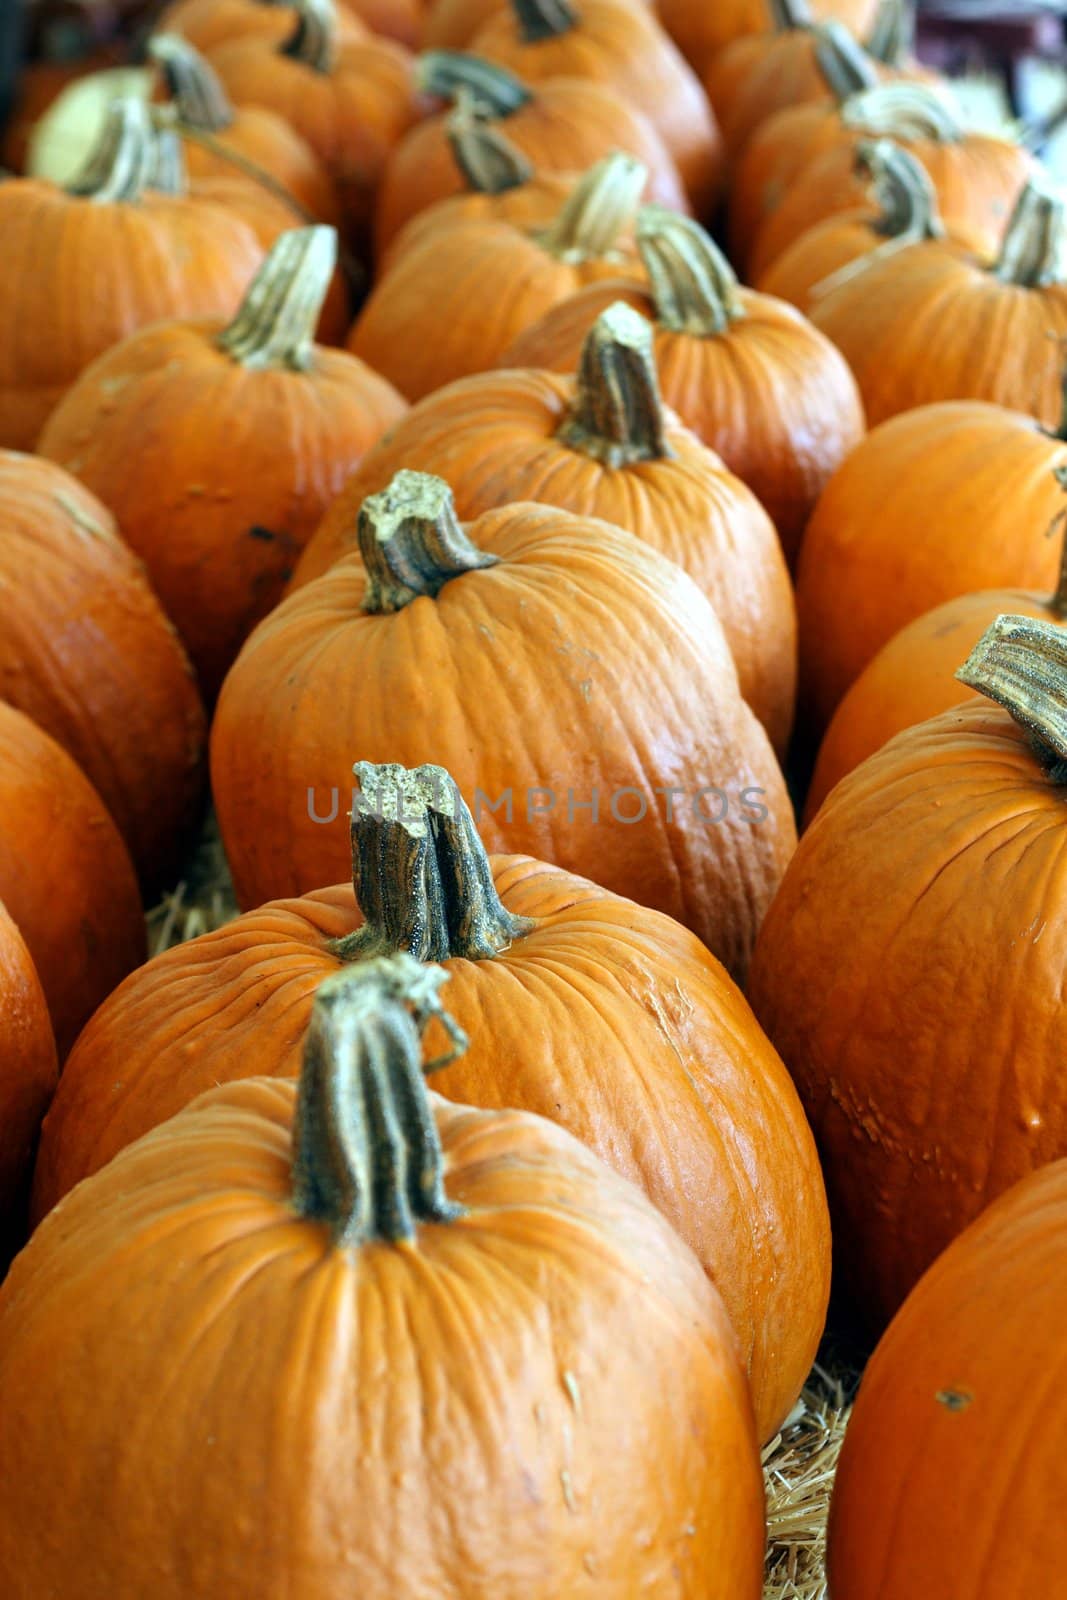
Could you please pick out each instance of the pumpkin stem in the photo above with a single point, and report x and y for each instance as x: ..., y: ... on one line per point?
x: 422, y: 878
x: 598, y: 208
x: 314, y: 40
x: 193, y: 84
x: 446, y: 74
x: 276, y: 321
x: 617, y: 415
x: 121, y: 164
x: 846, y: 66
x: 789, y: 15
x: 1021, y: 663
x: 367, y: 1158
x: 412, y: 543
x: 544, y: 19
x: 892, y: 39
x: 490, y: 164
x: 1034, y: 250
x: 168, y: 168
x: 694, y: 288
x: 904, y: 111
x: 906, y: 199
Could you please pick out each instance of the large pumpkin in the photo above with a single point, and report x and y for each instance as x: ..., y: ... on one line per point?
x: 938, y: 502
x: 604, y: 1017
x: 27, y: 1076
x: 219, y: 447
x: 574, y: 678
x: 751, y: 377
x: 910, y: 969
x: 959, y: 1422
x: 337, y: 1230
x: 601, y: 445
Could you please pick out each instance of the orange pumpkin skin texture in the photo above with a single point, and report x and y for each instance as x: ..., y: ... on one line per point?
x: 65, y: 876
x: 591, y: 635
x: 188, y: 1250
x: 28, y: 1073
x: 528, y: 207
x: 208, y: 24
x: 938, y: 502
x: 219, y: 465
x: 604, y: 1017
x: 947, y: 1393
x: 701, y: 30
x: 87, y: 652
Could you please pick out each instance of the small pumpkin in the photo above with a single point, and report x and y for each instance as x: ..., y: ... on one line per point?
x: 543, y: 656
x: 452, y: 302
x: 749, y: 375
x: 701, y: 30
x: 606, y: 1018
x: 332, y: 1228
x: 219, y: 446
x: 951, y: 1431
x: 28, y: 1075
x: 920, y: 923
x: 208, y: 24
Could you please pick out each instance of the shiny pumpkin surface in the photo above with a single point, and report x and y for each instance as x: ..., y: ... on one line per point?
x: 28, y: 1068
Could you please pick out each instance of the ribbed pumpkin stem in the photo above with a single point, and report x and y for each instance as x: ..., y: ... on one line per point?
x: 906, y: 200
x: 412, y: 543
x: 598, y: 208
x: 545, y: 19
x: 694, y: 288
x: 121, y: 163
x: 1059, y: 598
x: 193, y: 85
x: 904, y: 111
x: 422, y: 878
x: 1021, y: 663
x: 367, y: 1158
x: 490, y: 164
x: 892, y: 38
x: 275, y: 324
x: 1034, y: 251
x: 446, y: 74
x: 314, y: 41
x: 787, y: 15
x: 617, y: 415
x: 846, y: 66
x: 169, y: 174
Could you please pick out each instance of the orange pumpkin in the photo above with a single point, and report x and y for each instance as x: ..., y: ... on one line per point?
x: 939, y: 502
x: 453, y: 301
x: 333, y: 1229
x: 218, y: 447
x: 752, y: 378
x: 634, y: 759
x: 28, y: 1074
x: 652, y: 1058
x: 910, y: 970
x: 207, y: 24
x: 951, y: 1431
x: 701, y: 30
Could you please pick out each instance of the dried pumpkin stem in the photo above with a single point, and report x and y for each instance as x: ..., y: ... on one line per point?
x: 121, y: 163
x: 694, y: 288
x: 598, y: 208
x: 489, y: 163
x: 412, y: 543
x: 169, y: 174
x: 1034, y: 250
x: 194, y: 86
x: 276, y: 321
x: 314, y: 40
x: 617, y: 415
x: 846, y: 66
x: 422, y: 878
x: 902, y: 190
x: 787, y: 15
x: 1021, y: 663
x: 446, y: 74
x: 367, y: 1157
x: 545, y: 19
x: 904, y: 111
x: 892, y: 38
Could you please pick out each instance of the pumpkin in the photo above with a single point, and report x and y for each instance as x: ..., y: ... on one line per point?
x: 335, y: 1227
x: 747, y: 373
x: 794, y: 176
x: 207, y: 24
x: 28, y: 1074
x: 219, y: 446
x: 626, y: 687
x: 913, y: 677
x: 621, y: 44
x: 453, y: 300
x: 601, y: 445
x: 351, y: 101
x: 86, y: 651
x: 561, y: 984
x: 701, y: 30
x: 87, y: 266
x: 976, y: 479
x: 952, y: 1431
x: 930, y: 324
x: 563, y: 125
x: 919, y: 923
x: 401, y: 20
x: 65, y: 876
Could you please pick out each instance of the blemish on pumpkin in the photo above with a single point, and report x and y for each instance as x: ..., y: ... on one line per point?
x: 574, y: 1394
x: 568, y: 1491
x: 80, y: 517
x: 589, y: 1563
x: 954, y: 1399
x: 258, y: 532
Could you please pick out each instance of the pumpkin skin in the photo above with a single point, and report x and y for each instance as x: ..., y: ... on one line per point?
x: 208, y: 24
x: 549, y: 1257
x: 28, y: 1074
x: 219, y: 465
x: 74, y: 897
x: 946, y: 1387
x: 529, y: 206
x: 651, y: 699
x: 87, y: 652
x: 701, y: 30
x: 977, y: 478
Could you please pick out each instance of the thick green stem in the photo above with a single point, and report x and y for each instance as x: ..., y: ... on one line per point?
x: 275, y: 324
x: 843, y: 62
x: 1021, y: 663
x: 367, y: 1157
x: 314, y: 40
x: 694, y: 288
x: 617, y: 416
x: 422, y: 878
x: 1034, y: 251
x: 412, y: 543
x: 545, y: 19
x: 788, y: 15
x: 901, y: 188
x: 904, y: 111
x: 489, y: 163
x: 446, y: 74
x: 892, y: 39
x: 597, y: 210
x: 194, y: 86
x: 121, y: 164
